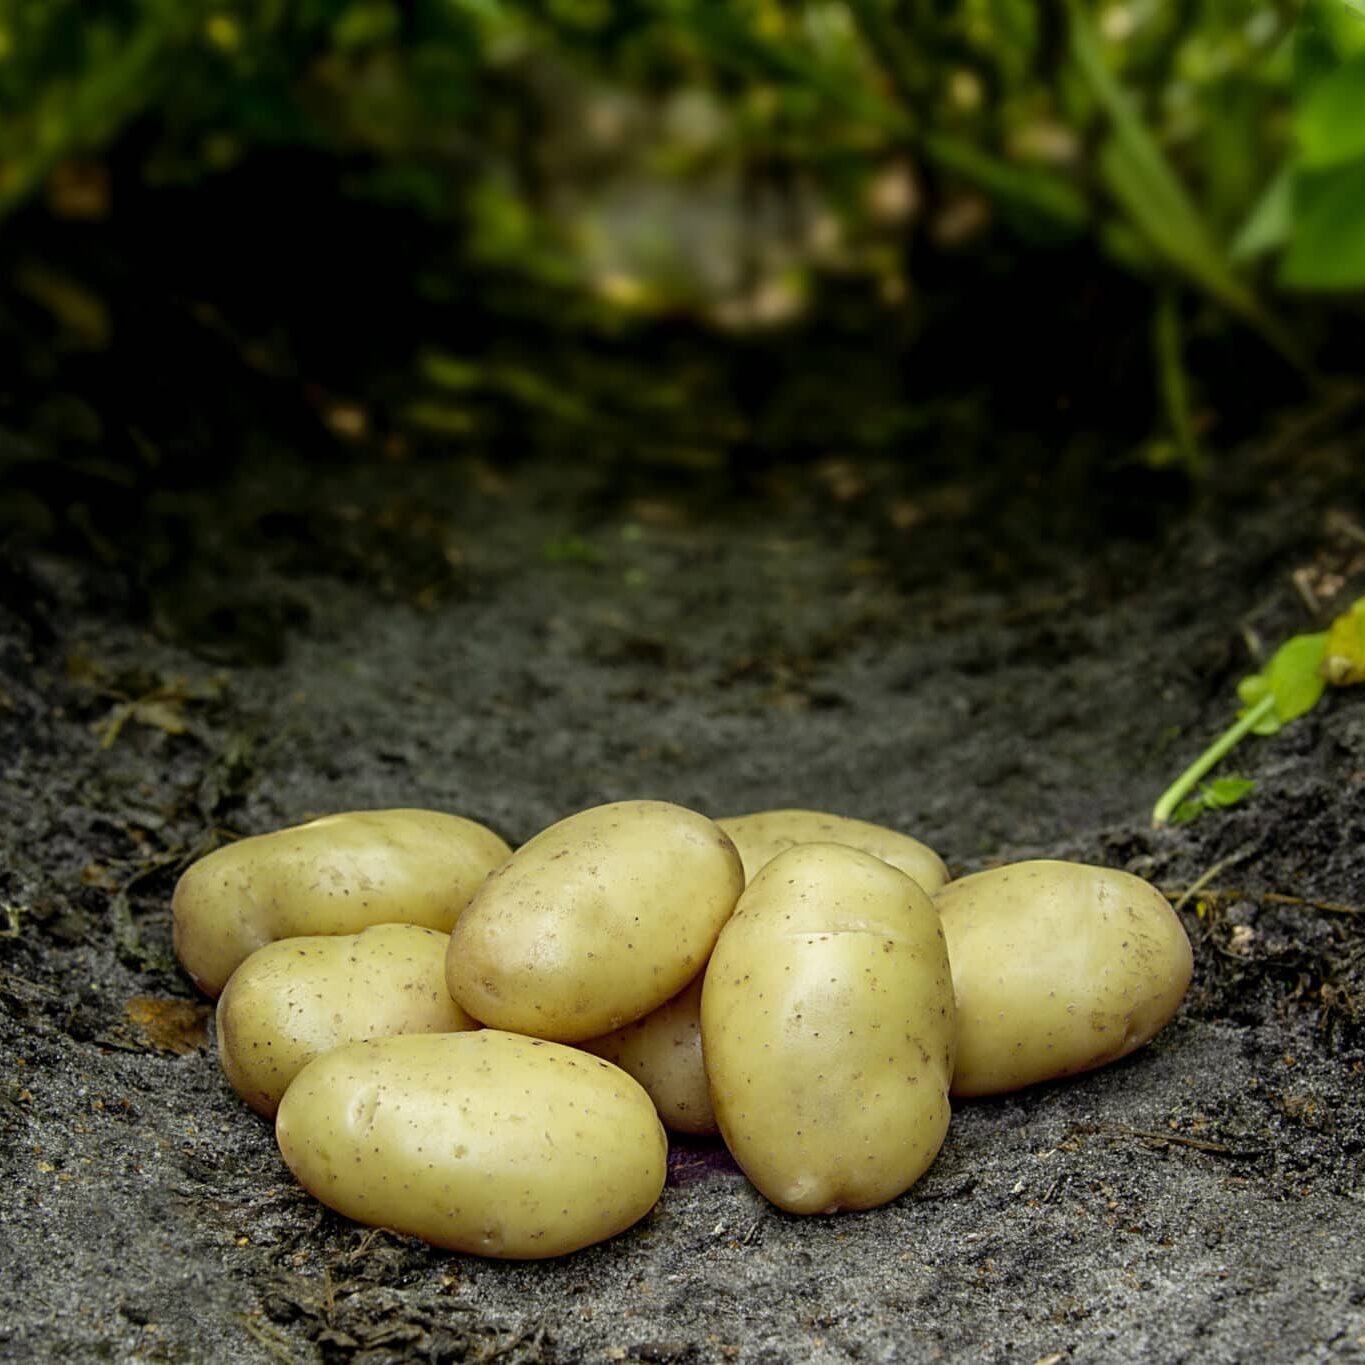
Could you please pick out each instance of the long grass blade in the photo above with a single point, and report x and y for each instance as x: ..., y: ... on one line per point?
x: 1141, y: 179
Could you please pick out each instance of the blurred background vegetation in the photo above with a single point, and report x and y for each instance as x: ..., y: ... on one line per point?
x: 693, y: 235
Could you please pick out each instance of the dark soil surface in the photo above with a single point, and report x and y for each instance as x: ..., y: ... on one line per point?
x: 1007, y: 666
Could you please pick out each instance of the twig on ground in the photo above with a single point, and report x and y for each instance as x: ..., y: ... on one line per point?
x: 273, y: 1342
x: 365, y: 1243
x: 1207, y: 876
x: 1336, y: 907
x: 1162, y: 1139
x: 1178, y: 896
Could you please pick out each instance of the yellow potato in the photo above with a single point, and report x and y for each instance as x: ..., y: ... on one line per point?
x: 336, y: 875
x: 1058, y: 968
x: 663, y: 1052
x: 827, y: 1024
x: 299, y: 997
x: 762, y: 836
x: 595, y: 922
x: 485, y: 1142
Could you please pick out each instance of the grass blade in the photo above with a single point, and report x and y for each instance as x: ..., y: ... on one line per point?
x: 1144, y: 184
x: 1142, y: 180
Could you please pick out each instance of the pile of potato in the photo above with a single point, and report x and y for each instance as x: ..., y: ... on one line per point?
x: 477, y: 1046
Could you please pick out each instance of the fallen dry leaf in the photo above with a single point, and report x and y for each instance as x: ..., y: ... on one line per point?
x: 169, y: 1025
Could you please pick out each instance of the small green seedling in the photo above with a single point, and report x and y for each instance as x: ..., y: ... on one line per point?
x: 1285, y: 689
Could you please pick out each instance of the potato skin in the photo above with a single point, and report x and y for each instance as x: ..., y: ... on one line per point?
x: 760, y: 837
x: 663, y: 1052
x: 336, y: 875
x: 485, y: 1142
x: 595, y: 922
x: 827, y: 1023
x: 1059, y: 968
x: 299, y: 997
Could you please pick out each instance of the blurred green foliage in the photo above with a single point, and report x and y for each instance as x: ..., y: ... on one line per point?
x: 219, y: 80
x: 1215, y: 149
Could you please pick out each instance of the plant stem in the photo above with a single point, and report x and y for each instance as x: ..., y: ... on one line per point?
x: 1175, y: 389
x: 1185, y: 783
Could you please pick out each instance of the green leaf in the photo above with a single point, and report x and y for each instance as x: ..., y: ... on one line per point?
x: 1228, y: 791
x: 1295, y: 674
x: 1216, y: 795
x: 1330, y: 120
x: 1328, y: 33
x: 1028, y: 189
x: 1293, y: 677
x: 1140, y: 178
x: 1165, y: 225
x: 1270, y: 221
x: 1328, y: 246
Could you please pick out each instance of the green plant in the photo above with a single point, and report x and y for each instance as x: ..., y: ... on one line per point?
x: 1313, y: 209
x: 1215, y: 795
x: 1289, y: 686
x: 1212, y: 151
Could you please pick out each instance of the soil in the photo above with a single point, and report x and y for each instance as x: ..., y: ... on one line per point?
x: 1008, y: 664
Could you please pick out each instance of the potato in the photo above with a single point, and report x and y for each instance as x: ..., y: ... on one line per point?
x: 485, y: 1142
x: 1058, y: 968
x: 827, y: 1025
x: 595, y: 922
x: 336, y: 875
x: 299, y: 997
x: 663, y: 1052
x: 762, y: 836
